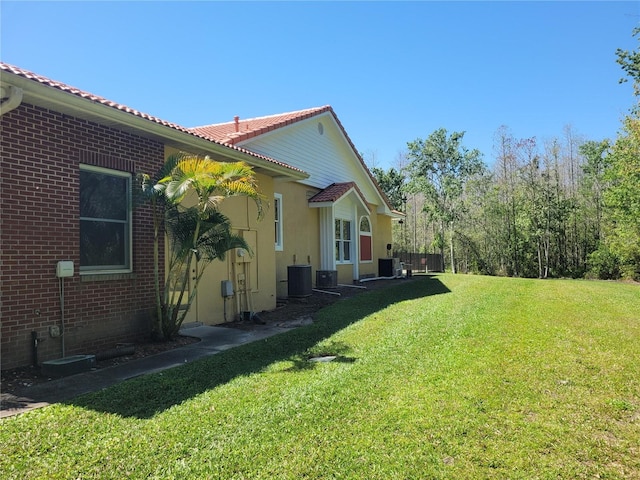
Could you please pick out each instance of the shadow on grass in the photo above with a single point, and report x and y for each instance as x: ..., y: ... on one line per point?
x: 146, y: 396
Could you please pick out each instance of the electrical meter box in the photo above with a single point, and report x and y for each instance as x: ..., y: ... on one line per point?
x: 242, y: 256
x: 64, y: 268
x: 227, y: 288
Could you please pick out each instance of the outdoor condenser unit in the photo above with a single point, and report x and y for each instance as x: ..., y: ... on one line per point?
x: 326, y: 278
x: 299, y: 280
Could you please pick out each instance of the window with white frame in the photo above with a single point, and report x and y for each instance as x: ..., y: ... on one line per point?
x: 105, y: 220
x: 277, y: 208
x: 366, y: 249
x: 343, y: 240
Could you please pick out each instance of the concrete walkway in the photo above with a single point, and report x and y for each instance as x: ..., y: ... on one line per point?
x: 212, y: 340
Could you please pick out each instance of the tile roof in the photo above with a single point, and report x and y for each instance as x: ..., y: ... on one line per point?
x: 240, y: 130
x: 80, y: 93
x: 335, y: 192
x: 5, y: 67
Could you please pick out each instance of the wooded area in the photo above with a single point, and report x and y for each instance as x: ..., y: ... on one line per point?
x: 565, y: 207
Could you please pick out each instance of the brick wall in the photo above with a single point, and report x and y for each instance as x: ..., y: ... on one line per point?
x: 40, y: 154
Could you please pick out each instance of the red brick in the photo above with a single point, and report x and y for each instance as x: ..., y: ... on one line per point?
x: 43, y: 149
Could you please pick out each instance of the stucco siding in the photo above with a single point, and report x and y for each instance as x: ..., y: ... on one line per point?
x: 301, y: 232
x: 252, y: 274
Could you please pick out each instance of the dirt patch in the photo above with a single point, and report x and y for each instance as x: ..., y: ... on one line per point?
x: 295, y: 308
x: 20, y: 378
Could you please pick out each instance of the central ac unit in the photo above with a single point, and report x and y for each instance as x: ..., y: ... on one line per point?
x: 326, y: 278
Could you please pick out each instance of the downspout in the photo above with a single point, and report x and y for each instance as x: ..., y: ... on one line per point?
x: 10, y: 98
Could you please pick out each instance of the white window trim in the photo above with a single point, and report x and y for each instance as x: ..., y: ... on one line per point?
x: 341, y: 261
x: 92, y: 270
x: 279, y: 245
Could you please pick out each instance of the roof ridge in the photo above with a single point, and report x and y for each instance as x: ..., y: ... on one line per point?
x: 304, y: 111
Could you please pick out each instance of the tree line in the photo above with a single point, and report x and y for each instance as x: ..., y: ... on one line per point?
x: 566, y: 207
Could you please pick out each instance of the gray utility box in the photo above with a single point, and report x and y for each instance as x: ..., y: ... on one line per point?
x: 326, y: 278
x: 299, y: 280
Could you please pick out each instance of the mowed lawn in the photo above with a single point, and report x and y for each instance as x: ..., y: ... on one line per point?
x: 459, y: 377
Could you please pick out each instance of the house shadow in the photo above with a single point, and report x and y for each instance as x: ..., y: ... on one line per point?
x: 146, y: 396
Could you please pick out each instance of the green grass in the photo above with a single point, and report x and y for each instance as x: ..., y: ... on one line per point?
x: 446, y: 377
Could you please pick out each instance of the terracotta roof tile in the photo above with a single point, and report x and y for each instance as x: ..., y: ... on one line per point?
x: 335, y: 192
x: 241, y: 130
x: 332, y: 193
x: 97, y: 99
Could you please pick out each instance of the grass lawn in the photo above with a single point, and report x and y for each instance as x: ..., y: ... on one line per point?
x: 444, y: 377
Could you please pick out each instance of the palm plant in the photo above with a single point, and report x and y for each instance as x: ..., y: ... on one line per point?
x: 185, y: 196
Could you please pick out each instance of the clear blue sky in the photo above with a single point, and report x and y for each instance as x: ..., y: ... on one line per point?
x: 393, y: 71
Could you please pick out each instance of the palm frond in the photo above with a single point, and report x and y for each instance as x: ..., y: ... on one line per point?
x: 199, y: 230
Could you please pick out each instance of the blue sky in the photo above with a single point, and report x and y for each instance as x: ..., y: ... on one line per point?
x: 393, y: 71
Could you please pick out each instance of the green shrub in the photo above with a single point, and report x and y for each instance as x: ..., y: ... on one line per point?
x: 603, y: 264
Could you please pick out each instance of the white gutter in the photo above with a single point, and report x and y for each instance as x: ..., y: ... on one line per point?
x: 10, y: 98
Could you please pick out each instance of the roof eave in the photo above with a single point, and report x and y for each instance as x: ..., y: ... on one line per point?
x: 352, y: 191
x: 42, y: 95
x: 320, y: 204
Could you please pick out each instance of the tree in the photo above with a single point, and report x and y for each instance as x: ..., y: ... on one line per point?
x: 392, y: 183
x: 622, y: 198
x: 629, y: 61
x: 592, y: 185
x: 186, y: 195
x: 439, y: 167
x: 506, y: 175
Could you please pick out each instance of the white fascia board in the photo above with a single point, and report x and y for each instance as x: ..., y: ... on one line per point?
x: 321, y: 204
x: 396, y: 215
x: 382, y: 208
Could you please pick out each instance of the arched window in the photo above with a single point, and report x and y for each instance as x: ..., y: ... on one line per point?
x: 366, y: 247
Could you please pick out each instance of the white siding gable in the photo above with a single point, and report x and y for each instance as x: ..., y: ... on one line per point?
x: 323, y: 152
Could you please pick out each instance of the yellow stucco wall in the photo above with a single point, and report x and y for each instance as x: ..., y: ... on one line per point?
x: 301, y: 232
x: 252, y: 277
x: 257, y: 281
x: 301, y: 237
x: 382, y: 239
